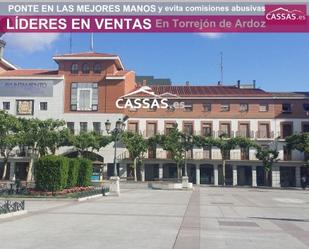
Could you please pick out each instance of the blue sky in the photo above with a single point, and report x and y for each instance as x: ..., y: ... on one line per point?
x: 278, y: 62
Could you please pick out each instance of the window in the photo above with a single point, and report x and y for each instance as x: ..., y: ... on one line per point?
x: 43, y: 106
x: 244, y: 130
x: 287, y: 154
x: 305, y: 127
x: 207, y: 107
x: 206, y: 129
x: 74, y: 68
x: 83, y: 127
x: 207, y: 152
x: 188, y: 108
x: 306, y: 107
x: 97, y: 68
x: 188, y: 128
x: 84, y: 97
x: 286, y: 108
x: 133, y: 127
x: 263, y: 108
x: 97, y: 127
x: 225, y: 107
x: 151, y: 129
x: 70, y: 126
x: 243, y: 107
x: 225, y: 130
x: 6, y: 106
x: 286, y: 130
x: 169, y: 127
x: 264, y: 131
x: 85, y: 68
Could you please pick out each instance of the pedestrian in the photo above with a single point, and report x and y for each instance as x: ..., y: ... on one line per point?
x: 304, y: 182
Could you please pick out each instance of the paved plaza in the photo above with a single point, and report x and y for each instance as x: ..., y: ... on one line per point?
x: 209, y: 217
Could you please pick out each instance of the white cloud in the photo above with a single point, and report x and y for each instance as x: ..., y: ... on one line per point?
x: 211, y: 35
x: 30, y: 42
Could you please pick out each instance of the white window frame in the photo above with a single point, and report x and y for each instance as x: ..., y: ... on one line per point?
x: 80, y: 88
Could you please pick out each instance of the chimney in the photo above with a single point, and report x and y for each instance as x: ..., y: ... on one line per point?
x: 187, y: 83
x: 144, y: 82
x: 2, y: 45
x: 238, y: 83
x: 254, y: 84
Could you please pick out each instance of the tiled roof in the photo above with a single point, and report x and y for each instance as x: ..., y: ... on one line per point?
x: 290, y: 94
x: 30, y: 72
x: 87, y: 54
x: 211, y: 91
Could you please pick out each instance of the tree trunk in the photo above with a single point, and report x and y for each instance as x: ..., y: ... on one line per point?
x: 5, y: 166
x: 135, y: 170
x: 223, y: 171
x: 266, y: 172
x: 30, y: 170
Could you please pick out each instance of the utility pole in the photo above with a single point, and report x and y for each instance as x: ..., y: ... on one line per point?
x: 221, y: 67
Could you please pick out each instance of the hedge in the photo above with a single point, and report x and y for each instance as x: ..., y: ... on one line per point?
x: 73, y: 172
x: 85, y: 172
x: 51, y: 173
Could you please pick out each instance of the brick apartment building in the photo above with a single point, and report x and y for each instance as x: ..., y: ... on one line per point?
x: 85, y: 87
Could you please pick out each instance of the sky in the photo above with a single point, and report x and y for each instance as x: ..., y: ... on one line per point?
x: 278, y: 62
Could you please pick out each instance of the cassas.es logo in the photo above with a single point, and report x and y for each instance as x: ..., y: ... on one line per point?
x: 286, y: 14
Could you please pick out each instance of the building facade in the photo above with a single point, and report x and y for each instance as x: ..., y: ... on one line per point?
x: 86, y: 88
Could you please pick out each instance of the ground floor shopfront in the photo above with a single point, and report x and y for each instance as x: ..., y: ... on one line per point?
x: 237, y: 173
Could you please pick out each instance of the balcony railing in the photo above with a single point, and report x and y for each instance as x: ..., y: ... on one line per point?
x: 264, y: 135
x: 247, y: 134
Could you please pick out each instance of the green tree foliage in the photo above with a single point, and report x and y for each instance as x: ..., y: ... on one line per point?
x: 268, y: 157
x: 137, y: 146
x: 9, y: 137
x: 172, y: 142
x: 86, y: 141
x: 299, y: 142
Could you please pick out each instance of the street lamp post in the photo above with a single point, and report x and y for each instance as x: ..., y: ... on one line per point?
x: 119, y: 128
x: 186, y: 141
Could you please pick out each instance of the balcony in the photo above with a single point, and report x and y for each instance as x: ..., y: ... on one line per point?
x: 247, y: 134
x: 264, y: 135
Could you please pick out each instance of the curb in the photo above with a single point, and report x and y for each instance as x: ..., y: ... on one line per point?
x: 13, y: 214
x: 89, y: 197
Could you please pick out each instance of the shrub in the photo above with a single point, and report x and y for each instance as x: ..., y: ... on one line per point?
x: 73, y: 172
x: 51, y: 173
x: 85, y: 172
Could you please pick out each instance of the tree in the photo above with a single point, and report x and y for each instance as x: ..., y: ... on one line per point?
x: 137, y: 146
x: 9, y: 137
x: 172, y: 142
x: 85, y: 141
x: 226, y: 145
x: 299, y: 142
x: 268, y: 157
x: 40, y: 137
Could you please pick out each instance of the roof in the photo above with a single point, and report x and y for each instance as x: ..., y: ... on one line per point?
x: 29, y: 72
x: 290, y: 94
x: 90, y: 56
x: 204, y: 91
x: 87, y: 54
